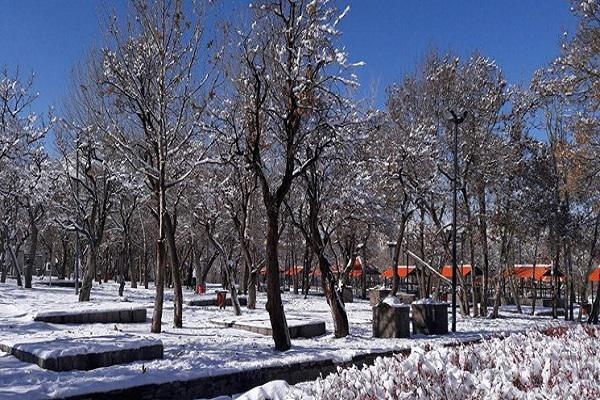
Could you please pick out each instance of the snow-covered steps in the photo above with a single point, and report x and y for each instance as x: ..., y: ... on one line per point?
x: 83, y: 353
x: 113, y: 313
x: 211, y: 301
x: 298, y: 327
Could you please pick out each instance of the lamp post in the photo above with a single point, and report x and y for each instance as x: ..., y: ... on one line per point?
x: 457, y: 120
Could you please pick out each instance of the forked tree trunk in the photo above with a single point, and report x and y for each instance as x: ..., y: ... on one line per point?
x: 334, y: 300
x: 230, y: 271
x: 11, y: 252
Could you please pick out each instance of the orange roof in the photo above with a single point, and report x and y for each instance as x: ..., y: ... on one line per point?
x: 336, y: 269
x: 527, y: 271
x: 447, y: 270
x: 403, y: 271
x: 294, y: 271
x: 595, y: 275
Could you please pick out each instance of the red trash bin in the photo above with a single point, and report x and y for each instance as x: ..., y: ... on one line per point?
x: 221, y: 297
x: 201, y: 288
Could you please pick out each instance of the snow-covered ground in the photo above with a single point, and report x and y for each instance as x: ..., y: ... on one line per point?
x: 201, y: 348
x: 559, y: 362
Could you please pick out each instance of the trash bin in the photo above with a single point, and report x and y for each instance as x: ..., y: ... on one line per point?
x: 221, y: 298
x: 391, y: 319
x: 201, y: 288
x: 429, y: 317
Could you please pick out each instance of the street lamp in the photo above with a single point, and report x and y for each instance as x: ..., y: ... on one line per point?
x: 457, y: 120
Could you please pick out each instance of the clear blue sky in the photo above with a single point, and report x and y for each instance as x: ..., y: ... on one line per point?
x: 50, y: 36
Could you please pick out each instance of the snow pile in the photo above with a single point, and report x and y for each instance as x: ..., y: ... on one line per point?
x: 428, y: 300
x: 271, y: 390
x: 394, y: 301
x: 558, y: 362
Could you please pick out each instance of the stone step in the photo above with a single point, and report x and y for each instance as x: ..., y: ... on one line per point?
x: 91, y: 316
x: 298, y: 328
x: 83, y: 353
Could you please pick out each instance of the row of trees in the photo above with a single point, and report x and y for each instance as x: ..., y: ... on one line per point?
x: 179, y: 149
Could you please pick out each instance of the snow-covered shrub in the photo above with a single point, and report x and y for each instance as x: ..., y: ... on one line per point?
x: 558, y: 362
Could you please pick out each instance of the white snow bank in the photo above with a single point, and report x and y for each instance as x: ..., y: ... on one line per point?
x: 394, y: 301
x: 428, y: 300
x: 269, y: 391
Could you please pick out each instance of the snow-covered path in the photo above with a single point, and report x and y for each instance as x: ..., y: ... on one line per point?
x: 199, y: 349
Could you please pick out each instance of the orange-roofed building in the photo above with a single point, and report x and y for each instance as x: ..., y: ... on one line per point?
x: 541, y: 272
x: 403, y: 271
x: 595, y: 275
x: 465, y: 270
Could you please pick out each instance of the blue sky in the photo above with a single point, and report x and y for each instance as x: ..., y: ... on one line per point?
x: 49, y: 37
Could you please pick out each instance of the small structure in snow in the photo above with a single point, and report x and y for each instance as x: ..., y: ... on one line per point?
x: 298, y: 327
x: 429, y: 317
x: 103, y: 315
x: 391, y: 319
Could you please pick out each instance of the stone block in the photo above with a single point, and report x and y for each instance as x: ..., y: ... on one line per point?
x: 138, y: 315
x: 406, y: 298
x: 50, y: 355
x: 391, y: 321
x: 430, y: 318
x: 311, y: 330
x: 377, y: 295
x: 93, y: 316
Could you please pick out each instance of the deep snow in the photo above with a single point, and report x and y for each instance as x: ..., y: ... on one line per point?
x: 201, y: 348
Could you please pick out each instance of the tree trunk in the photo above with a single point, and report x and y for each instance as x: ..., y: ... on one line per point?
x: 334, y: 299
x: 132, y: 265
x: 230, y: 271
x: 3, y: 267
x: 88, y: 276
x: 252, y: 291
x: 396, y: 258
x: 29, y: 264
x: 484, y: 247
x: 178, y: 298
x: 274, y: 306
x: 160, y: 250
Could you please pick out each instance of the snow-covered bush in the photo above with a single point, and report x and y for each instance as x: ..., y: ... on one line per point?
x: 559, y: 362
